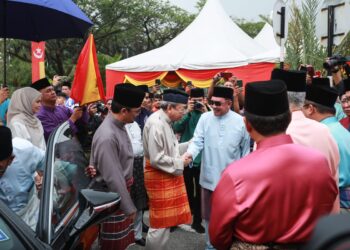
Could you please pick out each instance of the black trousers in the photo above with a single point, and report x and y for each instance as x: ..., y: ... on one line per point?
x: 191, y: 177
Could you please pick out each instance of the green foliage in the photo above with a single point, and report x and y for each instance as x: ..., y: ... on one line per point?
x: 135, y: 26
x: 302, y: 44
x: 251, y: 28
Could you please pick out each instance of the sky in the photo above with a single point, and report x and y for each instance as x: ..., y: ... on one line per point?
x: 247, y: 9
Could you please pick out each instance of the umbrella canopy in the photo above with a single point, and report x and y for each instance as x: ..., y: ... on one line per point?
x: 40, y: 20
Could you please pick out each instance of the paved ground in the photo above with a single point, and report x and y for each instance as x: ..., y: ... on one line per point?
x: 180, y: 239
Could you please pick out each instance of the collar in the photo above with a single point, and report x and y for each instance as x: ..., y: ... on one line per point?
x: 329, y: 120
x: 115, y: 121
x: 47, y: 108
x: 298, y: 115
x: 275, y: 140
x: 164, y: 116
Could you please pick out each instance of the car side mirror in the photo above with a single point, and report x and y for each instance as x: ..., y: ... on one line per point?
x: 94, y: 206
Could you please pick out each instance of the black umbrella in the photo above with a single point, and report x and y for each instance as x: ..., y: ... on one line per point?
x: 40, y: 20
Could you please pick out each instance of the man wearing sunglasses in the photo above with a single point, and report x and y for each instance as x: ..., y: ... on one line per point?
x: 222, y: 138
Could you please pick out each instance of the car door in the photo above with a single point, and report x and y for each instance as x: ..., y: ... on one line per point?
x: 64, y: 177
x: 15, y: 234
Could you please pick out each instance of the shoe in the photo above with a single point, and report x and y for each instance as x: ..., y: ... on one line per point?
x: 145, y: 228
x: 186, y: 228
x: 198, y: 228
x: 141, y: 242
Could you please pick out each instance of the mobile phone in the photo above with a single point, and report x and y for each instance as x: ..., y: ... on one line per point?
x: 226, y: 75
x: 239, y: 83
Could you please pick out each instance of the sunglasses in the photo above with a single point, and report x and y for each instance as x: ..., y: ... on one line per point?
x: 216, y: 103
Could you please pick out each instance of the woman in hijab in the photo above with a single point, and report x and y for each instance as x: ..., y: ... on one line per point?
x: 21, y: 119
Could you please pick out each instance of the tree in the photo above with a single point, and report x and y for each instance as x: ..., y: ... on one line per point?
x: 302, y: 44
x: 135, y: 26
x: 251, y: 28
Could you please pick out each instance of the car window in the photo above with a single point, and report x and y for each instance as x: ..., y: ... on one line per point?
x: 8, y: 239
x: 68, y: 177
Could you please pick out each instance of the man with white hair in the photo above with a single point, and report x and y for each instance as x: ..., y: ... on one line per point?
x: 305, y: 131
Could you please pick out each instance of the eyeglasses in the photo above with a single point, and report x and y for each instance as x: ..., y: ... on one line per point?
x: 345, y: 100
x: 216, y: 103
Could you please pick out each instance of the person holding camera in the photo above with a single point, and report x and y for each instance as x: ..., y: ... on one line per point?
x: 186, y: 127
x: 229, y: 81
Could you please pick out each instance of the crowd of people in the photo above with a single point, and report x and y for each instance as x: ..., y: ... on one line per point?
x: 252, y: 169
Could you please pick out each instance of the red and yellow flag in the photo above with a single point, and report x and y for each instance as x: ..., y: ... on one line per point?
x: 87, y: 84
x: 38, y: 61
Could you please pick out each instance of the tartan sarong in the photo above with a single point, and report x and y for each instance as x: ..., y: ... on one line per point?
x: 344, y: 194
x: 117, y: 231
x: 168, y: 203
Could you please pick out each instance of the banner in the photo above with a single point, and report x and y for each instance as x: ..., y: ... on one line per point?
x: 38, y: 60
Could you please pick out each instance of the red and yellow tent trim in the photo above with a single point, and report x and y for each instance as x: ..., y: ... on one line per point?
x: 199, y: 78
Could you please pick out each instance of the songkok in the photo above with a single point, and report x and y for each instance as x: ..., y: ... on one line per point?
x: 5, y: 143
x: 40, y: 84
x: 323, y: 95
x: 266, y: 98
x: 175, y: 96
x: 197, y: 92
x: 321, y: 82
x: 223, y: 92
x: 128, y: 95
x: 144, y: 88
x: 294, y: 79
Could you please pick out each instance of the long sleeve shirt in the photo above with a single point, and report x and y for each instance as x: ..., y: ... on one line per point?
x: 342, y: 137
x: 161, y: 146
x: 316, y: 135
x: 134, y: 132
x: 222, y: 140
x: 53, y: 117
x: 272, y: 195
x: 18, y: 179
x: 112, y: 155
x: 186, y: 127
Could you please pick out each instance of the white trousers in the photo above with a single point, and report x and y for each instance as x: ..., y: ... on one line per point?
x: 157, y: 239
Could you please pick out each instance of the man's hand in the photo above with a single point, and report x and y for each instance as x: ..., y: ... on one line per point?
x: 190, y: 106
x: 77, y: 114
x: 38, y: 182
x: 217, y: 78
x: 90, y: 171
x: 187, y: 159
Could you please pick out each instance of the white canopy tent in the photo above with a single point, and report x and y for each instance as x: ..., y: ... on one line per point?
x: 267, y: 40
x: 211, y: 41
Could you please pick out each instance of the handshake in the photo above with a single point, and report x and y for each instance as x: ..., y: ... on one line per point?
x: 187, y: 159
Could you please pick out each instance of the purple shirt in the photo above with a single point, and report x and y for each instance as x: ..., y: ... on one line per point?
x: 53, y: 117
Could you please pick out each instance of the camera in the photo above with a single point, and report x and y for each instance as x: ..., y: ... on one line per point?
x: 197, y: 106
x: 335, y: 61
x: 101, y: 108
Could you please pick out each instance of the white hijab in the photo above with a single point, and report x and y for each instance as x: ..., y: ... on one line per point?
x: 20, y: 110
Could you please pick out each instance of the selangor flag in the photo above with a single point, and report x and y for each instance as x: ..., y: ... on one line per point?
x: 87, y: 84
x: 38, y: 61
